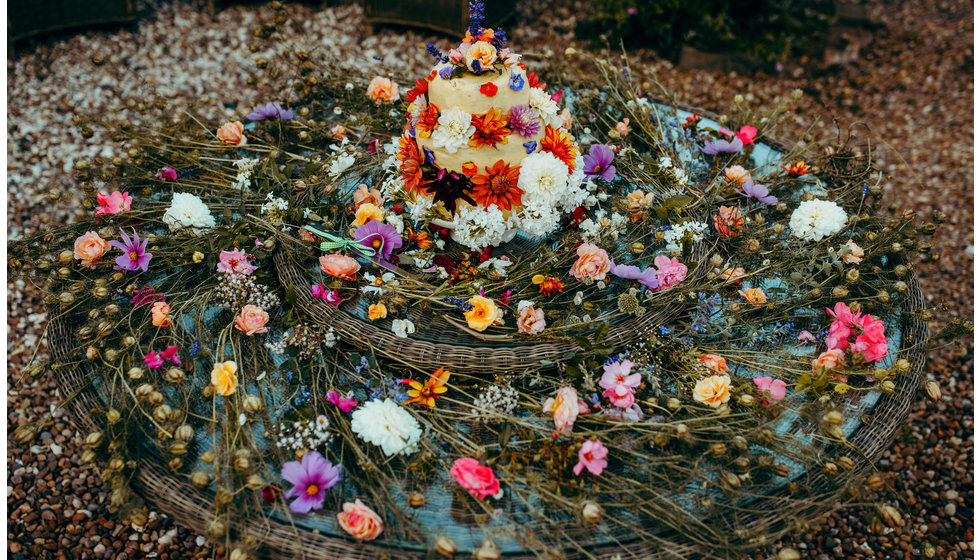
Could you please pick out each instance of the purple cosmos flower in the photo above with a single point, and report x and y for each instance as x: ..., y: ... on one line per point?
x: 722, y: 146
x: 134, y: 252
x: 758, y: 192
x: 522, y: 121
x: 311, y: 479
x: 381, y: 237
x: 166, y: 174
x: 270, y: 110
x: 647, y: 277
x: 516, y: 81
x: 530, y: 146
x: 598, y: 162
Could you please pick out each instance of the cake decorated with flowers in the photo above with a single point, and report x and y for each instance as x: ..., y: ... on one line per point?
x: 485, y: 151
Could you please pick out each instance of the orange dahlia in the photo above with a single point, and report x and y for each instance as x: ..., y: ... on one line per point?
x: 498, y: 186
x: 491, y: 129
x: 559, y: 142
x: 427, y: 121
x: 408, y: 153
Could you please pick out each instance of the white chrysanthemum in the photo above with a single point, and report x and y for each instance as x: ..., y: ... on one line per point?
x: 477, y: 228
x: 189, y: 212
x: 814, y: 220
x: 387, y: 425
x: 544, y: 107
x: 543, y: 178
x: 453, y: 130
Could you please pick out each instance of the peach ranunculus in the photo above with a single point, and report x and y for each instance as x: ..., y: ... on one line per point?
x: 252, y: 320
x: 364, y: 195
x: 232, y: 133
x: 856, y: 255
x: 339, y: 266
x: 383, y: 89
x: 360, y: 521
x: 593, y: 262
x: 714, y: 362
x: 566, y: 407
x: 377, y: 311
x: 754, y: 295
x: 367, y: 212
x: 713, y: 390
x: 160, y: 314
x: 638, y: 204
x: 224, y: 378
x: 566, y: 118
x: 89, y: 248
x: 829, y: 359
x: 623, y: 128
x: 483, y: 312
x: 736, y: 173
x: 478, y: 479
x: 530, y: 320
x: 483, y: 52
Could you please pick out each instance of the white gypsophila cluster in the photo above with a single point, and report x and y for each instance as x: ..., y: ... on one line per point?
x: 543, y: 178
x: 674, y: 237
x: 392, y: 187
x: 236, y: 290
x: 308, y: 434
x: 419, y: 209
x: 274, y: 207
x: 387, y: 425
x: 391, y: 148
x: 396, y: 221
x: 187, y: 212
x: 603, y: 225
x: 640, y: 102
x: 453, y: 130
x: 544, y: 107
x: 679, y: 172
x: 814, y: 220
x: 341, y: 163
x: 478, y: 227
x: 245, y: 167
x: 498, y: 399
x: 577, y: 190
x: 538, y: 219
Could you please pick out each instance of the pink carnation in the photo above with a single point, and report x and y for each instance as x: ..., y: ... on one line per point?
x: 592, y: 456
x: 235, y: 262
x: 113, y: 203
x: 670, y: 272
x: 621, y: 396
x: 772, y: 388
x: 868, y: 333
x: 478, y: 479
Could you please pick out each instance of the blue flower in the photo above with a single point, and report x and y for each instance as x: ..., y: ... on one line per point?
x: 445, y: 72
x: 530, y: 146
x: 516, y: 81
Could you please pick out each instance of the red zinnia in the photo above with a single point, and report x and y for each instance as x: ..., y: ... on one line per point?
x: 498, y: 186
x: 491, y: 129
x: 421, y: 86
x: 488, y: 89
x: 428, y: 120
x: 408, y: 153
x: 559, y: 142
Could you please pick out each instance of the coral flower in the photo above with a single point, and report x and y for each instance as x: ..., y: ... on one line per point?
x: 591, y: 456
x: 491, y: 129
x: 829, y: 359
x: 366, y: 213
x: 482, y: 52
x: 339, y: 266
x: 428, y: 120
x: 478, y: 479
x: 798, y: 169
x: 364, y: 195
x: 530, y: 320
x: 232, y: 133
x: 426, y: 394
x: 593, y: 262
x: 566, y: 406
x: 736, y: 173
x: 360, y: 521
x: 713, y: 391
x: 90, y: 248
x: 408, y: 153
x: 754, y: 295
x: 113, y: 203
x: 382, y: 90
x: 311, y: 479
x: 488, y: 89
x: 714, y: 362
x: 498, y: 186
x: 134, y: 251
x: 856, y: 253
x: 482, y: 313
x: 729, y: 221
x: 559, y: 142
x: 160, y: 313
x: 224, y: 378
x: 252, y: 320
x: 623, y: 128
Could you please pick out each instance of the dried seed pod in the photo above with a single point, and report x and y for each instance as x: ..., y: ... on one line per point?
x: 252, y: 404
x: 184, y: 433
x: 255, y: 482
x: 200, y: 479
x: 417, y: 499
x: 890, y: 516
x: 875, y: 482
x: 591, y: 512
x: 445, y: 546
x: 487, y: 551
x: 933, y: 390
x: 94, y: 439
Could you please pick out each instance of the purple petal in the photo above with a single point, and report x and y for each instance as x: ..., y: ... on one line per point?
x: 609, y: 173
x: 304, y: 503
x: 293, y: 472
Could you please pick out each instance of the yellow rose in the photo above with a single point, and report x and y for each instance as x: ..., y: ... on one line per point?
x: 367, y: 212
x: 713, y: 390
x: 482, y: 51
x: 483, y: 313
x: 224, y: 378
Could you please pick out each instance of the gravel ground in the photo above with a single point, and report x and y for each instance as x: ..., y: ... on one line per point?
x: 909, y: 83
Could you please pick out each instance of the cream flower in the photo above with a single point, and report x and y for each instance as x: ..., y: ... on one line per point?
x: 387, y: 425
x: 454, y: 130
x: 188, y: 212
x: 814, y: 220
x: 543, y: 179
x: 713, y: 391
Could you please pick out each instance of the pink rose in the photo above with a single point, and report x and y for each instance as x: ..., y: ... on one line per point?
x: 476, y: 478
x: 592, y: 456
x: 232, y: 133
x: 592, y: 262
x: 360, y: 521
x: 339, y: 266
x: 89, y: 248
x: 621, y: 396
x: 566, y: 407
x: 235, y: 262
x: 871, y: 343
x: 530, y: 320
x: 670, y: 272
x: 113, y: 203
x: 252, y: 320
x: 773, y: 388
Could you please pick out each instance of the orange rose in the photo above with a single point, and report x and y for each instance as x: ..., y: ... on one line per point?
x: 638, y: 202
x: 714, y: 362
x: 339, y: 266
x: 363, y: 195
x: 224, y: 378
x: 367, y: 212
x: 89, y: 248
x: 482, y: 51
x: 377, y: 311
x: 252, y: 320
x: 829, y: 359
x: 232, y: 133
x: 592, y: 262
x: 754, y: 295
x: 360, y: 521
x: 160, y: 313
x: 713, y: 391
x: 383, y: 89
x: 483, y: 313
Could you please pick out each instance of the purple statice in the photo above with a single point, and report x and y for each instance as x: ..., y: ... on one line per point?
x: 311, y: 479
x: 598, y: 162
x: 382, y: 238
x: 134, y: 251
x: 722, y: 146
x: 522, y: 121
x: 758, y: 192
x: 647, y: 276
x: 271, y: 110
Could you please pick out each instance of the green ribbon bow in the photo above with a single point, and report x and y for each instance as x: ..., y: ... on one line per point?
x: 334, y: 242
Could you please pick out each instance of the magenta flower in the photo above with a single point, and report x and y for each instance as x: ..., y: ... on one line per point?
x: 236, y: 262
x: 170, y: 354
x: 345, y: 404
x: 134, y: 252
x: 868, y: 333
x: 153, y: 360
x: 311, y: 479
x: 330, y: 296
x: 592, y: 456
x: 270, y: 110
x: 166, y: 174
x: 598, y: 162
x: 618, y: 373
x: 145, y: 296
x: 113, y: 203
x: 521, y: 120
x: 670, y: 272
x: 647, y: 276
x: 620, y: 395
x: 770, y: 388
x: 745, y: 135
x: 382, y: 238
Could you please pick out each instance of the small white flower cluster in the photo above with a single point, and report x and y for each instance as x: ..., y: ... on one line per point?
x: 679, y: 173
x: 814, y: 220
x: 497, y: 399
x: 477, y: 227
x: 235, y: 291
x: 387, y: 425
x: 307, y: 434
x: 341, y: 163
x: 675, y: 235
x: 188, y: 212
x: 603, y: 226
x: 378, y: 285
x: 274, y: 207
x: 308, y: 340
x: 245, y: 167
